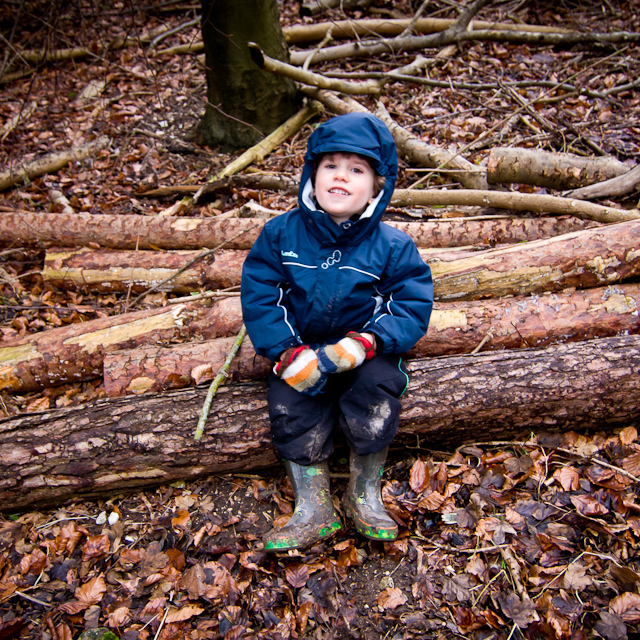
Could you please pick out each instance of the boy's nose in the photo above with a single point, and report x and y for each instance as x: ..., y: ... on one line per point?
x: 342, y: 173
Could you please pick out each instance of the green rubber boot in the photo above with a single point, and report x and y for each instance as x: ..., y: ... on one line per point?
x: 363, y: 500
x: 314, y: 517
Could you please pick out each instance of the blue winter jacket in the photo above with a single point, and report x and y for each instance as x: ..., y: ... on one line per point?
x: 308, y: 280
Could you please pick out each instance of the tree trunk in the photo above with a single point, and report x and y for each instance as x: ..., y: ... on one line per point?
x: 550, y: 170
x: 126, y: 443
x: 584, y: 259
x: 244, y: 103
x: 76, y: 352
x: 27, y: 229
x: 455, y: 327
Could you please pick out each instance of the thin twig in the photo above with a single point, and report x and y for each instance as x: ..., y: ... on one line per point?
x: 217, y: 381
x: 182, y: 269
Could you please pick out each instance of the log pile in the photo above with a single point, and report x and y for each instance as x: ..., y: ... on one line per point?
x: 535, y: 326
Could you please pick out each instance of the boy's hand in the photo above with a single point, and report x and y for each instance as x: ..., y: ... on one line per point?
x: 298, y: 367
x: 348, y: 353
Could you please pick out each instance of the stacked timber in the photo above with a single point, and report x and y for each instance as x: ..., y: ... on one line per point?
x: 535, y: 327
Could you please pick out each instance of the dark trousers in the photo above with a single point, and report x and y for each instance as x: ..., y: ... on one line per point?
x: 364, y: 402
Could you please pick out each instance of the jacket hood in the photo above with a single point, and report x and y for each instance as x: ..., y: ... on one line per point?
x: 360, y: 133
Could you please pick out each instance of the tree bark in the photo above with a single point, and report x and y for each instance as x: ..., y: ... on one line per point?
x: 126, y: 443
x: 455, y: 327
x: 244, y: 103
x: 551, y: 170
x: 28, y: 229
x: 584, y: 259
x: 76, y: 352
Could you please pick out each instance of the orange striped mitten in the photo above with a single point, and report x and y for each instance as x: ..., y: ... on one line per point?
x: 298, y: 367
x: 348, y: 353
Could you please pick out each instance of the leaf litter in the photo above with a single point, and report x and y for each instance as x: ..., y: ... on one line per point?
x: 532, y: 538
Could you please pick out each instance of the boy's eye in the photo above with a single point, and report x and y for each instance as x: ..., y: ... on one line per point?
x: 357, y: 170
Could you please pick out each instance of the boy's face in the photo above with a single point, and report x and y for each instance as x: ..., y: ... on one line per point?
x: 344, y: 185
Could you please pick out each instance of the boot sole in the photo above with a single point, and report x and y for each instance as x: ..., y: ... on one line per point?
x: 299, y: 543
x: 367, y: 530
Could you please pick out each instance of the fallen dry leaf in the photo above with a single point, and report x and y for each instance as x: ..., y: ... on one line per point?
x: 391, y: 598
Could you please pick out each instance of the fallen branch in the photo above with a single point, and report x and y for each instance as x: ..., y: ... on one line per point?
x: 126, y: 443
x: 532, y: 202
x: 368, y: 87
x: 426, y: 155
x: 551, y: 170
x: 76, y: 53
x: 21, y: 117
x: 305, y: 33
x: 451, y: 35
x: 315, y: 7
x: 50, y: 163
x: 262, y: 149
x: 217, y: 381
x: 299, y: 34
x: 268, y: 181
x: 618, y: 186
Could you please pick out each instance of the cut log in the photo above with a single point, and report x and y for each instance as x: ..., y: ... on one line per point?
x: 584, y: 259
x: 153, y: 368
x: 455, y: 327
x: 28, y: 229
x: 551, y: 170
x: 126, y: 443
x: 509, y: 323
x: 76, y: 352
x: 104, y: 270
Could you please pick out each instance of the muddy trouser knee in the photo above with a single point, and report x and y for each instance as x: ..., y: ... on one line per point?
x: 370, y: 406
x: 301, y: 426
x: 365, y: 401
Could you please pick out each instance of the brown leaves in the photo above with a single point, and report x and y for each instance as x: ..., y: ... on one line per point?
x: 88, y: 594
x: 391, y: 598
x: 522, y: 612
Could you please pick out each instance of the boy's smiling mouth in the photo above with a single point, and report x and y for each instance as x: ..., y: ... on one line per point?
x: 339, y: 191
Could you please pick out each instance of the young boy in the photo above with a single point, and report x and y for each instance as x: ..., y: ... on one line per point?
x: 333, y: 296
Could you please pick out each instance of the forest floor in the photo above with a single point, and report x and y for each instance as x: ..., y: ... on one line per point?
x: 535, y: 538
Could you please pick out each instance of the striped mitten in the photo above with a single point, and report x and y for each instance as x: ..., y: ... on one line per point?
x: 348, y: 353
x: 298, y: 367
